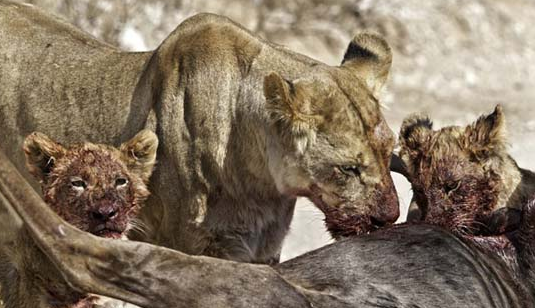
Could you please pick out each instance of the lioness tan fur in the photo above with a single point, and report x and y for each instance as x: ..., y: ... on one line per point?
x: 464, y: 173
x: 94, y: 187
x: 245, y: 126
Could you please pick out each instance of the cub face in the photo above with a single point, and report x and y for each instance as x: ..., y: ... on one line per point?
x: 97, y: 188
x: 332, y: 143
x: 459, y: 175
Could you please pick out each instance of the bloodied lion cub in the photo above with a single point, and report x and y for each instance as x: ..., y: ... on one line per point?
x: 462, y: 176
x: 96, y: 188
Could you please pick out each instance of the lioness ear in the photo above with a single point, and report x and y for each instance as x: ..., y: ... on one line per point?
x: 41, y: 153
x: 289, y: 111
x: 414, y: 134
x: 370, y: 56
x: 277, y: 89
x: 486, y: 136
x: 139, y: 153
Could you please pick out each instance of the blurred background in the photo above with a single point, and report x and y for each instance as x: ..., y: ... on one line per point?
x: 453, y: 59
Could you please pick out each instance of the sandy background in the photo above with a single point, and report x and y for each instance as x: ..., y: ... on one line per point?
x: 453, y: 59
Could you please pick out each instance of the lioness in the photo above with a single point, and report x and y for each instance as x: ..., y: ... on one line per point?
x: 96, y: 188
x: 465, y: 173
x: 245, y: 126
x: 400, y: 266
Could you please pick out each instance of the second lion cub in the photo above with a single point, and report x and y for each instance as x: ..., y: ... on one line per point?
x: 461, y: 176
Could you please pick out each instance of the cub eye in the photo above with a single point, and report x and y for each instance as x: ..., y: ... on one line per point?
x: 452, y: 186
x: 78, y: 184
x: 350, y: 170
x: 120, y: 182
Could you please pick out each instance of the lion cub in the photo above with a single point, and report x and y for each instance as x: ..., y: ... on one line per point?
x: 96, y: 188
x: 462, y: 176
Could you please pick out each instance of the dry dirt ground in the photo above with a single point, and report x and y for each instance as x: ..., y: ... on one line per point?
x: 453, y: 59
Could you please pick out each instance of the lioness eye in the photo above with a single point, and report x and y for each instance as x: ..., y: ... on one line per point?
x: 78, y: 184
x: 120, y: 182
x: 350, y: 170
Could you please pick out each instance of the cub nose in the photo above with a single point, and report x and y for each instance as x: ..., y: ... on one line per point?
x: 103, y: 214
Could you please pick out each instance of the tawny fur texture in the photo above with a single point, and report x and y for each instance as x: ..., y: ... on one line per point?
x: 245, y: 126
x: 462, y: 175
x: 97, y: 188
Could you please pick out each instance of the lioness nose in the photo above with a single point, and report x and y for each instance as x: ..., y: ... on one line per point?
x: 385, y: 218
x: 387, y: 211
x: 104, y: 214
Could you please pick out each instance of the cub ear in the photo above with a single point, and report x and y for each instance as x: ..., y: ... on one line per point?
x: 486, y: 136
x: 139, y: 153
x: 41, y: 153
x: 370, y: 56
x: 289, y: 111
x: 414, y: 134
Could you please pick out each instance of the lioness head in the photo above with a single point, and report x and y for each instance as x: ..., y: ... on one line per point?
x: 460, y: 175
x: 336, y: 145
x: 97, y: 188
